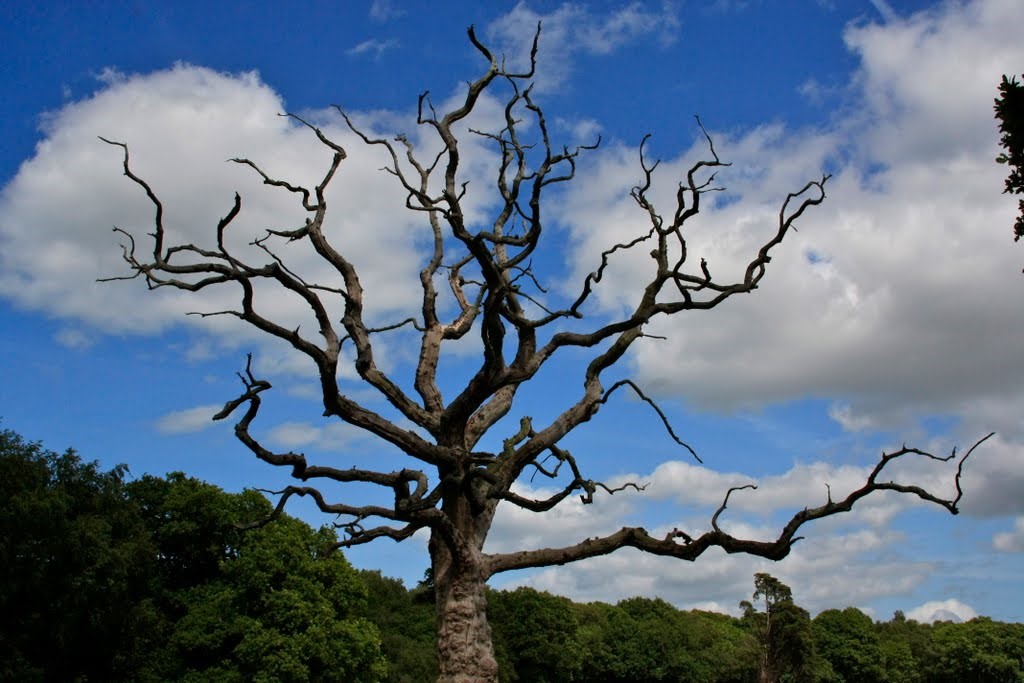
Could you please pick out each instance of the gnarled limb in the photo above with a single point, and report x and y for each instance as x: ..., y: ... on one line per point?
x: 693, y: 547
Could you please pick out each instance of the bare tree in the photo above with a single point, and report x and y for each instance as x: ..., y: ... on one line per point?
x: 452, y: 487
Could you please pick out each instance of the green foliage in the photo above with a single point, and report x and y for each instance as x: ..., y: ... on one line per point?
x: 783, y: 632
x: 650, y: 640
x: 151, y: 580
x: 899, y: 662
x: 979, y: 651
x: 103, y: 580
x: 271, y: 604
x: 1009, y: 108
x: 904, y: 644
x: 723, y: 651
x: 407, y: 627
x: 535, y: 636
x: 193, y: 525
x: 645, y: 643
x: 847, y: 639
x: 74, y: 564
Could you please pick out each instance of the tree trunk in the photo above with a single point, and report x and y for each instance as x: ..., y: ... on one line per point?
x: 465, y: 652
x: 464, y: 649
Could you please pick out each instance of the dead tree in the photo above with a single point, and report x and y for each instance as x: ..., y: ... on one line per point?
x: 452, y: 487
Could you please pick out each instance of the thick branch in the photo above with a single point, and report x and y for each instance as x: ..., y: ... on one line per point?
x: 685, y: 547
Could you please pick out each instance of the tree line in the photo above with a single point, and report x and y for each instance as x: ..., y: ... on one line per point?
x: 544, y: 638
x: 107, y: 578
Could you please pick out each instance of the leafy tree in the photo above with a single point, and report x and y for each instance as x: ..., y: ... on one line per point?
x: 593, y: 619
x: 649, y: 640
x: 898, y: 662
x: 151, y: 580
x: 194, y: 525
x: 1010, y: 114
x: 269, y: 604
x: 721, y: 649
x: 905, y: 647
x: 979, y: 651
x: 641, y: 639
x: 484, y: 277
x: 847, y: 639
x: 405, y: 620
x: 783, y: 631
x: 535, y: 636
x: 75, y: 560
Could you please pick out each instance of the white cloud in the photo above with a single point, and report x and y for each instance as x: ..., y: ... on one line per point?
x: 898, y: 297
x: 576, y: 28
x: 942, y: 610
x: 803, y: 484
x: 372, y: 46
x: 569, y: 523
x: 200, y: 351
x: 843, y: 414
x: 994, y: 479
x: 181, y: 124
x: 294, y: 434
x: 582, y: 131
x: 333, y: 436
x: 850, y: 559
x: 383, y: 10
x: 1010, y: 541
x: 74, y: 338
x: 189, y: 420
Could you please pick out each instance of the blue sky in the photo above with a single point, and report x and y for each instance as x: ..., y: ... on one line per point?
x: 892, y: 316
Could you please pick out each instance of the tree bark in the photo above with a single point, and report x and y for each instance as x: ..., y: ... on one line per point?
x: 465, y: 651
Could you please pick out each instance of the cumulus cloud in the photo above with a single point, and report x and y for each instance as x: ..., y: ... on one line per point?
x: 693, y: 484
x: 942, y: 610
x: 189, y: 420
x: 847, y: 560
x: 181, y: 125
x: 898, y: 297
x: 568, y: 523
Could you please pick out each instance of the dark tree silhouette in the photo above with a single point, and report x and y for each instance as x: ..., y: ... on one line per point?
x: 1010, y: 114
x: 452, y: 485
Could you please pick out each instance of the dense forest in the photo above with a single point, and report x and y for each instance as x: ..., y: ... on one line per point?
x: 110, y: 578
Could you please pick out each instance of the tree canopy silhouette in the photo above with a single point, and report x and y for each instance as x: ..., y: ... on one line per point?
x: 1010, y: 114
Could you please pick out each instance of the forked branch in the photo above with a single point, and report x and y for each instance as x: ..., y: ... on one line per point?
x: 684, y: 546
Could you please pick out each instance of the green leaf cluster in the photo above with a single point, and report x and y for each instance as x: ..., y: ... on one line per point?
x: 152, y: 580
x: 405, y: 619
x: 73, y: 558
